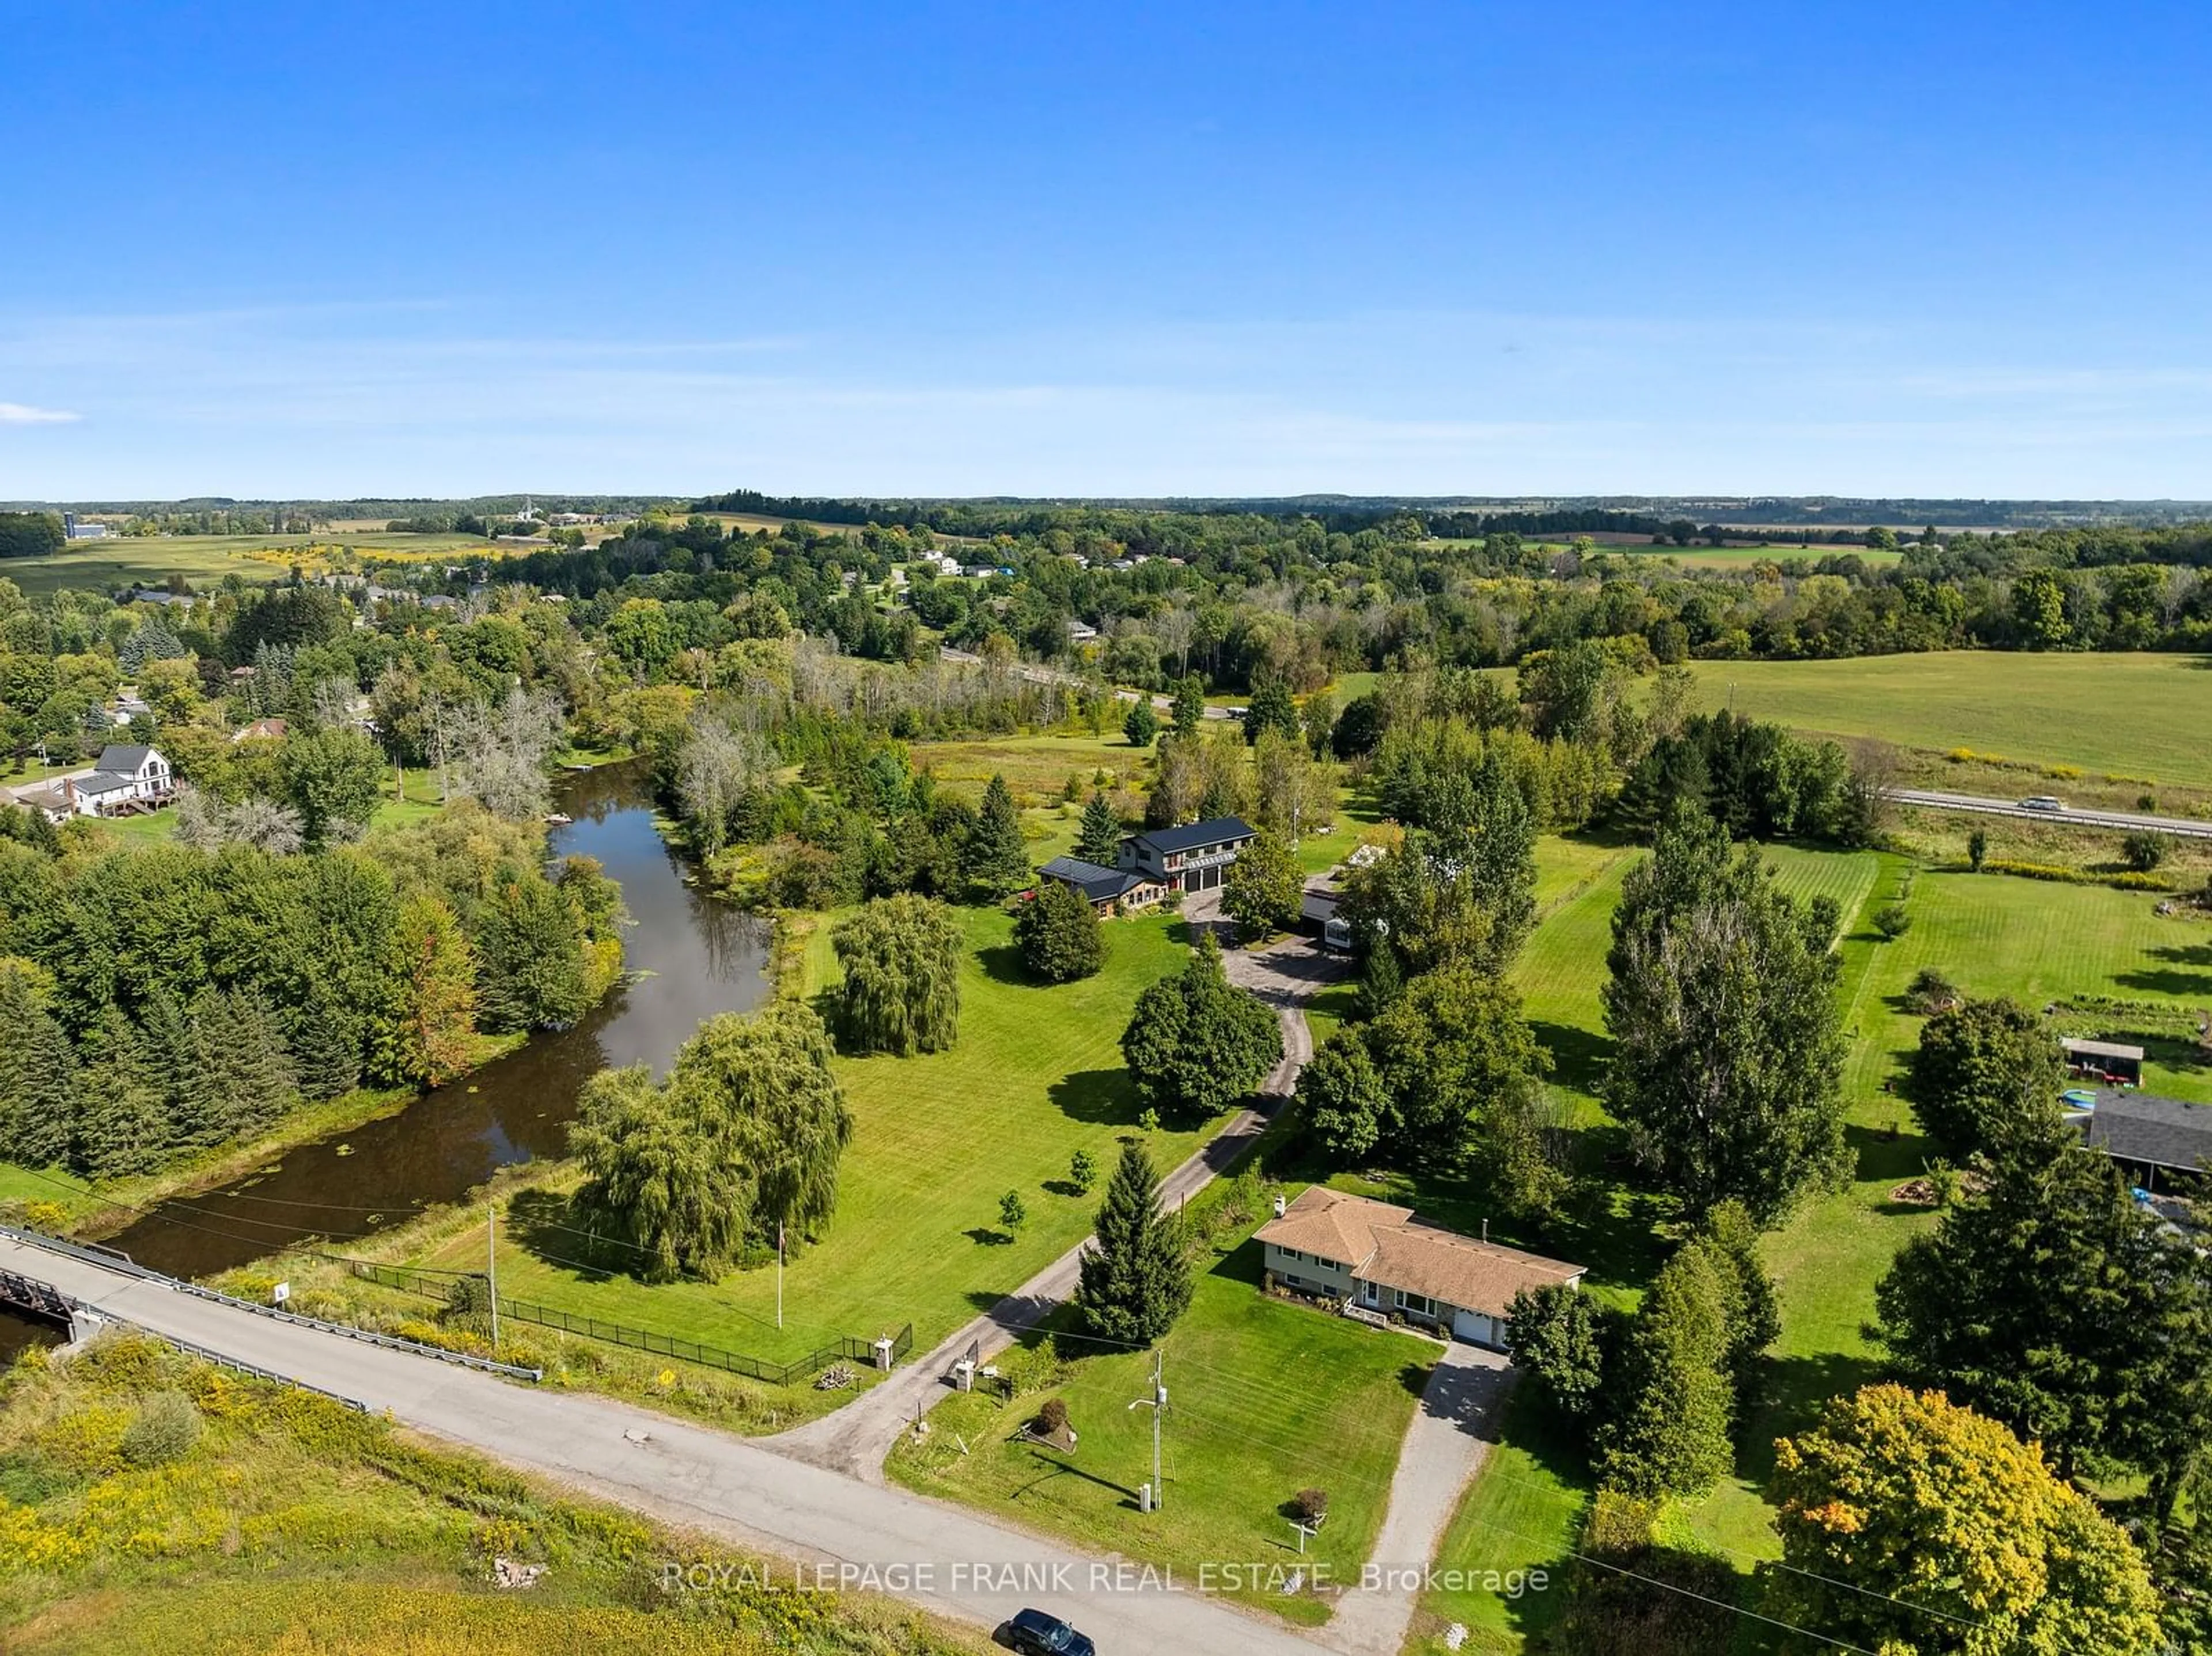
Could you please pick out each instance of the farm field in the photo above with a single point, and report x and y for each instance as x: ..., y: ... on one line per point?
x: 1265, y: 1398
x: 1035, y: 1076
x: 2038, y: 942
x: 2140, y: 716
x: 204, y: 559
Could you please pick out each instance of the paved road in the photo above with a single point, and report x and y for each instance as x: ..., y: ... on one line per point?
x: 855, y: 1439
x: 953, y: 1561
x: 2076, y: 816
x: 1446, y: 1443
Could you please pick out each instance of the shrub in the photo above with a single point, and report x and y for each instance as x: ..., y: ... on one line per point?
x: 1083, y: 1171
x: 164, y: 1430
x: 1051, y: 1416
x: 1892, y: 920
x: 1930, y: 991
x: 468, y: 1303
x: 1311, y: 1506
x: 2143, y: 850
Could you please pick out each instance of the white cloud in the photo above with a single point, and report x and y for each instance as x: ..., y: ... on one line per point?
x: 22, y: 414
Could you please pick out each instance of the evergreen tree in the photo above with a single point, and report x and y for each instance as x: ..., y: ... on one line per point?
x: 1059, y: 936
x: 901, y: 989
x: 997, y: 857
x: 1728, y: 1044
x: 1098, y: 840
x: 529, y: 959
x: 1380, y: 979
x: 2058, y: 1305
x: 239, y: 1077
x: 123, y: 1126
x: 1195, y: 1045
x: 1142, y: 724
x: 1670, y: 1433
x: 1136, y: 1281
x: 325, y: 1042
x: 39, y: 1094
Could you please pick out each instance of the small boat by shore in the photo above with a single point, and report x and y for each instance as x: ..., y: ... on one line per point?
x: 559, y: 819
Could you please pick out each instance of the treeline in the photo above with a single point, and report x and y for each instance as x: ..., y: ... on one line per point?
x: 159, y: 999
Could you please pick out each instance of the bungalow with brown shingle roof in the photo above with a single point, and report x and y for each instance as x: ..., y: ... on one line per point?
x: 1381, y: 1259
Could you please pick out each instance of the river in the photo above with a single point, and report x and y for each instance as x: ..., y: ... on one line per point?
x: 691, y: 957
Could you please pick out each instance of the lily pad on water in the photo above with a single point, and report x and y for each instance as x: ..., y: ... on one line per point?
x: 343, y: 1150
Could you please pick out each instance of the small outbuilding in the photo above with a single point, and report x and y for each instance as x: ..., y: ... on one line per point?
x: 2108, y: 1061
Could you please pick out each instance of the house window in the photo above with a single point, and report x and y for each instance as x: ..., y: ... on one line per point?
x: 1327, y: 1265
x: 1293, y: 1255
x: 1418, y: 1302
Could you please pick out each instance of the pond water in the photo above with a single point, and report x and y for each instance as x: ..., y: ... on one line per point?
x: 692, y: 957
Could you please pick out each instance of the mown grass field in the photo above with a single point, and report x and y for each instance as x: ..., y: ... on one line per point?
x: 1265, y: 1398
x: 1035, y: 1076
x: 2038, y: 942
x: 290, y: 1525
x: 2138, y: 716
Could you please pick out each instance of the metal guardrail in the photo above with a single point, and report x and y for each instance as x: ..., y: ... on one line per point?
x: 111, y: 1259
x: 435, y: 1285
x: 252, y: 1371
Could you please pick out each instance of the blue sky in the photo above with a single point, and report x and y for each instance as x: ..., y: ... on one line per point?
x: 339, y: 249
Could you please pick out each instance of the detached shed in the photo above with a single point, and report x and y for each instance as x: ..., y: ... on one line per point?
x: 2104, y: 1060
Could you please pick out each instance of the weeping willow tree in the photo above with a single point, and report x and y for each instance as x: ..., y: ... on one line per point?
x: 744, y: 1137
x: 901, y: 988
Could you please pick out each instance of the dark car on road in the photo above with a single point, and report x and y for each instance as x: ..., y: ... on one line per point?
x: 1033, y: 1632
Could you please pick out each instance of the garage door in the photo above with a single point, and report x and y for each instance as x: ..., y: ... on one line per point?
x: 1475, y: 1327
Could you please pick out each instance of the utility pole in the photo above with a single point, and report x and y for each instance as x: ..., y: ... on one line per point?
x: 1158, y: 1403
x: 779, y: 1274
x: 491, y: 1270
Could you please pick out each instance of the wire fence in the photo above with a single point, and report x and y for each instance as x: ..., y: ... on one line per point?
x: 439, y: 1285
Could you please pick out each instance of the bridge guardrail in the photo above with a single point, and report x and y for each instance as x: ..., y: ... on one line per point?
x: 111, y: 1259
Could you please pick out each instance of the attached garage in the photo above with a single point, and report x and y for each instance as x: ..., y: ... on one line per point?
x: 1479, y: 1328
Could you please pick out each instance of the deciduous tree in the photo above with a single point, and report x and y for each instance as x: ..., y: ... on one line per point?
x: 1265, y: 887
x: 1196, y: 1045
x: 1058, y: 933
x: 900, y: 990
x: 1912, y: 1525
x: 1983, y: 1072
x: 1727, y: 1046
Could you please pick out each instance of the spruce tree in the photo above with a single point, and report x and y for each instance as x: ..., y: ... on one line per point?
x: 1099, y: 838
x: 325, y: 1043
x: 1142, y: 724
x: 38, y: 1075
x: 998, y: 860
x: 123, y: 1126
x: 1136, y: 1281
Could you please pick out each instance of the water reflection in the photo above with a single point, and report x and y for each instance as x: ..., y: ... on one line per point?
x: 693, y: 957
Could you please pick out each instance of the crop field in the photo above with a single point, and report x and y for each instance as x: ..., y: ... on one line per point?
x: 204, y: 559
x: 2141, y: 716
x: 1035, y: 1076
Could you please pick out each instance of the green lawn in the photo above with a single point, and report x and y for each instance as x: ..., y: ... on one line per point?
x: 938, y: 1139
x: 1265, y: 1398
x: 1993, y: 934
x: 2133, y: 715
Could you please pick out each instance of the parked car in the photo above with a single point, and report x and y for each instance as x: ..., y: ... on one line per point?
x: 1033, y: 1632
x: 2042, y: 802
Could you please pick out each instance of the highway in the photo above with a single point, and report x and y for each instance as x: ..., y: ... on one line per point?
x: 2081, y: 817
